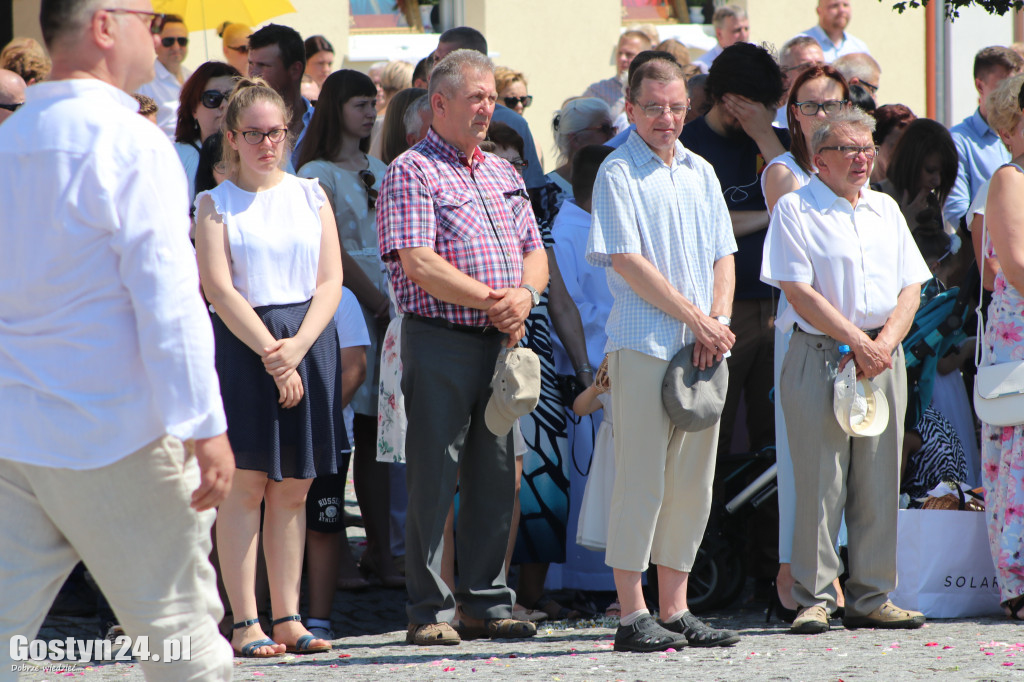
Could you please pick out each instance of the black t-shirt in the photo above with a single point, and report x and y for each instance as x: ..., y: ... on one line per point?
x: 738, y: 164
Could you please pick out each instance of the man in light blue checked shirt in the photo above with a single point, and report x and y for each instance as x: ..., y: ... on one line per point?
x: 662, y: 230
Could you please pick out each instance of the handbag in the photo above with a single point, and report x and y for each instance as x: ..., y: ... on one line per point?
x: 998, y: 388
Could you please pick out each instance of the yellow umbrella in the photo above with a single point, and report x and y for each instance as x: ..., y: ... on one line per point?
x: 200, y: 15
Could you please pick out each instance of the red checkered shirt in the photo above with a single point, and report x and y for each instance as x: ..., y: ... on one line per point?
x: 477, y: 216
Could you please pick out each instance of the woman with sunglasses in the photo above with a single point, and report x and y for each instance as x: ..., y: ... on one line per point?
x: 817, y: 93
x: 582, y: 121
x: 274, y: 292
x: 235, y: 43
x: 334, y: 153
x: 201, y: 108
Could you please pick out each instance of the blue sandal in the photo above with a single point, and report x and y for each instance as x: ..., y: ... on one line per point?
x: 247, y: 650
x: 302, y: 645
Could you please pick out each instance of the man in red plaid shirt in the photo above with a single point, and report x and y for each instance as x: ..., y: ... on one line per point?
x: 466, y: 261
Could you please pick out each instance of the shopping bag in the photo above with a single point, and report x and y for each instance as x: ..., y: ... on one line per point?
x: 592, y: 530
x: 944, y: 564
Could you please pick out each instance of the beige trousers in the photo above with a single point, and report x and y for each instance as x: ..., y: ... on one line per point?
x: 130, y: 522
x: 834, y: 472
x: 663, y: 475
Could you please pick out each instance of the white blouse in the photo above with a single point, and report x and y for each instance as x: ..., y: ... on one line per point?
x: 273, y: 237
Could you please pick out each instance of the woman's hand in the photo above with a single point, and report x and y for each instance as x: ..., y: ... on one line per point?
x: 291, y: 390
x: 282, y: 357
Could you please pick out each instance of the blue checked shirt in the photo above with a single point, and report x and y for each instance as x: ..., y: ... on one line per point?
x: 675, y: 217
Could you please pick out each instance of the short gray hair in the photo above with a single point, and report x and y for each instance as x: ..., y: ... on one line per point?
x: 412, y: 121
x: 858, y: 65
x: 449, y: 74
x: 60, y: 19
x: 851, y: 118
x: 799, y: 42
x: 727, y: 12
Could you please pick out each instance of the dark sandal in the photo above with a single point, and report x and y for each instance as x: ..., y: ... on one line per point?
x: 302, y: 644
x: 1015, y: 605
x: 555, y: 610
x: 646, y: 636
x: 497, y: 628
x: 248, y: 648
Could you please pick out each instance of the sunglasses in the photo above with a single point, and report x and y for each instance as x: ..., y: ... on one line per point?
x: 156, y: 19
x: 240, y: 49
x: 11, y: 107
x: 511, y: 102
x: 169, y: 41
x: 212, y: 99
x: 369, y: 180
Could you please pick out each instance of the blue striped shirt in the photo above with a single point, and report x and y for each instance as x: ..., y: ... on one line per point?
x: 675, y: 217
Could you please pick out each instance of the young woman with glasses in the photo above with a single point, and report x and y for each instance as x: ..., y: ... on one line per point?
x: 334, y: 153
x: 818, y: 92
x: 271, y: 267
x: 201, y: 108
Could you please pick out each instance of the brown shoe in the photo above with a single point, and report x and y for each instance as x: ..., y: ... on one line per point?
x: 432, y: 634
x: 887, y: 616
x: 497, y: 628
x: 810, y: 620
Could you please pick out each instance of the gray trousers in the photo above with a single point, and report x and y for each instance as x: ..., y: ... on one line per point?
x: 834, y: 472
x: 446, y: 377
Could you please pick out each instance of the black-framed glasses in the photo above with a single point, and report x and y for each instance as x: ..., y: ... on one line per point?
x: 170, y: 40
x: 368, y: 179
x: 656, y: 110
x: 852, y: 151
x: 212, y: 99
x: 511, y: 102
x: 830, y: 107
x: 156, y: 19
x: 11, y: 107
x: 257, y: 136
x: 240, y: 49
x: 871, y: 87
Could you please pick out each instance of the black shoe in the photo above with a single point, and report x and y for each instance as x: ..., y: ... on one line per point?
x: 775, y: 606
x: 699, y: 633
x: 645, y: 636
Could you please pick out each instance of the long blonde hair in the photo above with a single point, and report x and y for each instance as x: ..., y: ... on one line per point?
x: 247, y: 92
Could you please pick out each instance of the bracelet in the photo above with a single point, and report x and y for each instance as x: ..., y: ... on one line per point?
x: 585, y: 368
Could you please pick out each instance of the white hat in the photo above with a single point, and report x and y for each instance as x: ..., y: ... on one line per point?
x: 515, y: 389
x: 860, y: 407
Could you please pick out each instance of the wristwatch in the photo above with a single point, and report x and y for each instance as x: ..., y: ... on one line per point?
x: 533, y: 293
x: 724, y: 320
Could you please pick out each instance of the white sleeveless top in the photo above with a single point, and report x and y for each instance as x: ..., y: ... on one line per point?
x: 273, y: 238
x: 789, y: 161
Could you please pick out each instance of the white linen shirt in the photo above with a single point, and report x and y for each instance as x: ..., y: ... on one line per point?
x: 105, y: 343
x: 859, y: 258
x: 166, y: 92
x: 676, y: 218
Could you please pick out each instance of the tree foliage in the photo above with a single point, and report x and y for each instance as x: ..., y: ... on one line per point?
x: 953, y: 7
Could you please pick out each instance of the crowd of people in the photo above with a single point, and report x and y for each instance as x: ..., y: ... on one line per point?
x: 749, y: 217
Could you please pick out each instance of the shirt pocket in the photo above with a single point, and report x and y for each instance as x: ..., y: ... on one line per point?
x: 457, y: 218
x: 517, y: 201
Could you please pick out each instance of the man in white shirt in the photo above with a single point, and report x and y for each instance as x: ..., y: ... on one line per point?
x: 165, y: 88
x: 731, y: 26
x: 833, y: 18
x: 107, y: 361
x: 852, y: 274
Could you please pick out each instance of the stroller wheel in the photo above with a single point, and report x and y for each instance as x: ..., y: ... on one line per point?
x: 716, y: 579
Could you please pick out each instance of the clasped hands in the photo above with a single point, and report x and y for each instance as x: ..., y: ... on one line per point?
x: 508, y: 311
x: 871, y: 357
x: 714, y: 339
x: 280, y: 359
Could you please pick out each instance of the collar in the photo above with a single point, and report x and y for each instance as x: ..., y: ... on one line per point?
x: 79, y: 87
x: 642, y: 154
x: 449, y: 152
x: 823, y: 35
x: 979, y: 126
x: 307, y: 115
x: 825, y: 200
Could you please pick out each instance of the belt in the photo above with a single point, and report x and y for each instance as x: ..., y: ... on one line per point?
x: 871, y: 333
x: 453, y: 326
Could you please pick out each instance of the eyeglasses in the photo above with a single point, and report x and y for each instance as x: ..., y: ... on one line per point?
x: 656, y: 110
x: 257, y: 136
x: 212, y: 99
x: 832, y: 106
x: 869, y: 86
x: 156, y: 19
x: 169, y: 41
x: 369, y: 180
x: 511, y: 102
x: 11, y: 107
x: 852, y: 152
x: 240, y: 49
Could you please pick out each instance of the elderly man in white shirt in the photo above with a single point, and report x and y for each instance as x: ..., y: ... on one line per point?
x: 170, y: 75
x: 106, y: 354
x: 852, y: 274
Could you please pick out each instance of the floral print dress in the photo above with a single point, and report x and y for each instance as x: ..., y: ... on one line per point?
x: 1002, y: 448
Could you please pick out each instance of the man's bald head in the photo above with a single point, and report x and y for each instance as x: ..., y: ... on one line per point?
x: 12, y: 92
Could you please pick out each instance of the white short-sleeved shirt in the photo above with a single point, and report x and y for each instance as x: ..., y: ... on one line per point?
x: 978, y: 203
x: 348, y: 318
x: 676, y: 218
x: 858, y: 258
x: 274, y: 238
x: 165, y: 91
x: 789, y: 161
